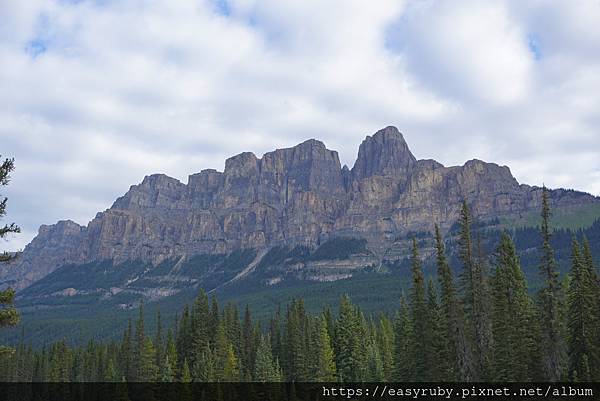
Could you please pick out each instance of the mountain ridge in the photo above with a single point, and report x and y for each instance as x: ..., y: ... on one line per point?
x: 299, y: 195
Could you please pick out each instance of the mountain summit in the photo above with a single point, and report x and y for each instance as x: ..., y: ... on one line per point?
x: 295, y: 196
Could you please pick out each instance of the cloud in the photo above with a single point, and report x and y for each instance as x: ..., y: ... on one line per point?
x: 97, y: 94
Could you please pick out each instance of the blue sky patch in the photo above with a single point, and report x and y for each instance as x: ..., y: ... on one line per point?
x: 534, y: 46
x: 222, y: 7
x: 36, y: 47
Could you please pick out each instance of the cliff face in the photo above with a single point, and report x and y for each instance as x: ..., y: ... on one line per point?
x: 299, y: 195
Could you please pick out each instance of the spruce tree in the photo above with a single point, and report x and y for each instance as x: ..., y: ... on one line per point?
x: 593, y: 288
x: 474, y: 292
x: 549, y: 297
x: 147, y: 370
x: 186, y: 376
x: 296, y: 353
x: 512, y: 317
x: 248, y: 351
x: 199, y: 331
x: 7, y: 166
x: 158, y: 343
x: 581, y: 318
x: 231, y: 368
x: 403, y: 361
x: 386, y: 342
x: 208, y: 367
x: 266, y: 368
x: 322, y: 356
x: 433, y: 341
x: 418, y: 310
x: 349, y: 337
x: 455, y: 357
x: 8, y: 313
x: 139, y: 345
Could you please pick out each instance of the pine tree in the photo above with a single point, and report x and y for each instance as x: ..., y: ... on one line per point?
x: 147, y: 370
x: 474, y: 291
x: 275, y: 335
x: 8, y: 313
x: 386, y: 341
x: 208, y: 367
x: 214, y: 318
x: 233, y: 327
x: 7, y: 166
x: 403, y: 361
x: 171, y: 354
x: 433, y: 341
x: 158, y: 343
x: 167, y: 370
x: 248, y: 352
x: 199, y: 331
x: 183, y: 339
x: 323, y: 362
x: 231, y: 368
x: 266, y: 368
x: 455, y: 356
x: 186, y: 376
x: 349, y: 334
x: 295, y: 362
x: 593, y: 288
x: 126, y: 354
x: 139, y: 345
x: 512, y: 317
x: 549, y: 302
x: 220, y: 351
x: 581, y: 318
x: 418, y: 309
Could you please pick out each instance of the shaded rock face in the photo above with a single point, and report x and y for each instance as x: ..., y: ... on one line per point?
x: 299, y: 195
x: 54, y: 246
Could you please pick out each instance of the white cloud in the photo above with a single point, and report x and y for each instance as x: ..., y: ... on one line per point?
x: 95, y: 95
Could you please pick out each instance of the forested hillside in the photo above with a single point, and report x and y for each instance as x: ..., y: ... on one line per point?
x: 481, y: 324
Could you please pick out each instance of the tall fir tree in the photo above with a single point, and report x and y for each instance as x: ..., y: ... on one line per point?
x: 322, y: 356
x: 582, y: 348
x: 403, y: 361
x: 248, y: 350
x: 8, y: 313
x: 199, y: 330
x: 549, y: 298
x: 512, y: 317
x: 474, y: 292
x: 593, y: 288
x: 349, y: 336
x: 456, y: 359
x: 433, y: 342
x: 7, y: 166
x: 386, y: 341
x: 266, y: 368
x: 418, y: 310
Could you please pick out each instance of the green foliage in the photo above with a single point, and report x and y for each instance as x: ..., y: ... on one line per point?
x: 440, y: 334
x: 512, y: 318
x: 340, y: 248
x: 582, y: 324
x: 549, y: 301
x: 8, y: 313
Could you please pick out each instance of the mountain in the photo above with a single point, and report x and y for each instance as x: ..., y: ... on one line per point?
x: 289, y: 197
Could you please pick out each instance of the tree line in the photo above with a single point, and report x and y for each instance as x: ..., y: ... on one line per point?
x: 483, y: 325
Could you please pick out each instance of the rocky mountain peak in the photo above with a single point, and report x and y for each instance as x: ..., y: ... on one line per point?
x: 296, y: 195
x: 384, y: 153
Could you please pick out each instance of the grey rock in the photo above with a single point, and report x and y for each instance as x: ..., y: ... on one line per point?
x: 298, y: 195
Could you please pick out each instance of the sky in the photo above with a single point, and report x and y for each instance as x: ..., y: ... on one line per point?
x: 94, y: 95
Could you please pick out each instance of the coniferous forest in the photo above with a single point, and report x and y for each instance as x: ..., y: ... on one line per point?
x: 483, y: 325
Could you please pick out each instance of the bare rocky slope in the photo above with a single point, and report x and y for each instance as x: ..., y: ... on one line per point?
x: 300, y: 195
